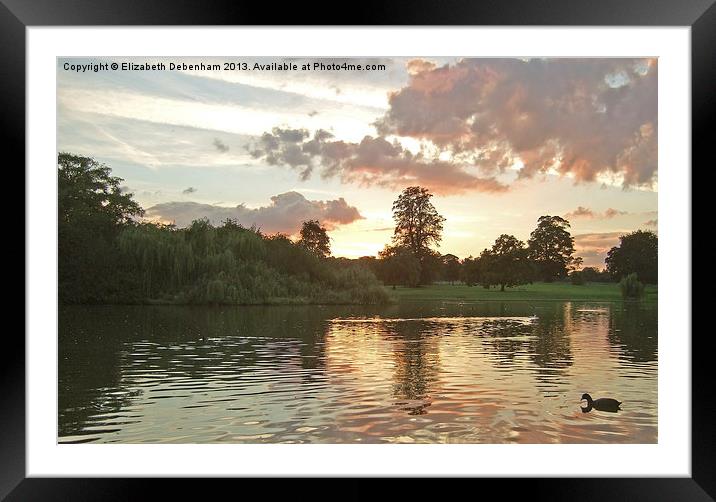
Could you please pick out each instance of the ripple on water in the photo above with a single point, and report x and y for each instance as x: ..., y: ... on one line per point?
x: 335, y: 378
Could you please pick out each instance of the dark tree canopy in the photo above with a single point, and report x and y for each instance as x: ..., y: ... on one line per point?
x: 399, y: 266
x: 451, y: 267
x: 417, y: 223
x: 107, y: 255
x: 87, y: 192
x: 315, y: 239
x: 636, y: 253
x: 417, y: 227
x: 92, y: 209
x: 470, y: 271
x: 551, y: 247
x: 507, y: 264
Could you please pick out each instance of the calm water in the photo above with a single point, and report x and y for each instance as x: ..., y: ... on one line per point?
x: 410, y: 373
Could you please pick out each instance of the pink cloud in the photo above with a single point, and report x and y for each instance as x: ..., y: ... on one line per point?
x: 582, y: 117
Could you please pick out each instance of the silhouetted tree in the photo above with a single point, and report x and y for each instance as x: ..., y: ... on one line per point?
x: 92, y: 210
x: 551, y: 247
x: 451, y: 267
x: 417, y: 227
x: 315, y: 239
x: 506, y: 264
x: 399, y: 266
x: 470, y: 271
x: 636, y: 253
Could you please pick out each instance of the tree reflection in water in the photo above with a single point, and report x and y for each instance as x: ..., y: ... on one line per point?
x: 431, y: 372
x: 416, y: 363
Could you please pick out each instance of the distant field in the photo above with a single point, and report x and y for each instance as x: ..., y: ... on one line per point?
x: 536, y: 291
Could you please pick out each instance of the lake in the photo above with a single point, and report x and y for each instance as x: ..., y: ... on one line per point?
x: 415, y: 372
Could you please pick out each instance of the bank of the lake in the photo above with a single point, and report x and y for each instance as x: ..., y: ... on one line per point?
x: 538, y: 291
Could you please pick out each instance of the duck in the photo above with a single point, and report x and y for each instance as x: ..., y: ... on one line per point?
x: 601, y: 404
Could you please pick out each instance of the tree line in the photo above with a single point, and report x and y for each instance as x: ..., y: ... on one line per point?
x: 108, y: 254
x: 548, y: 255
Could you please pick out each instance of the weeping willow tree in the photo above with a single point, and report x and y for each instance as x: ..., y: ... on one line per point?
x: 230, y: 264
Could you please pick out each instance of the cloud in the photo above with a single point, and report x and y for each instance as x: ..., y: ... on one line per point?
x: 585, y: 212
x: 652, y: 223
x: 285, y: 214
x: 580, y: 212
x: 220, y: 146
x: 374, y: 161
x: 611, y: 213
x: 189, y: 190
x: 579, y: 117
x: 593, y: 247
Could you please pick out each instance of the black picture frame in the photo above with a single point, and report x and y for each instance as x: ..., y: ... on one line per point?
x: 700, y: 15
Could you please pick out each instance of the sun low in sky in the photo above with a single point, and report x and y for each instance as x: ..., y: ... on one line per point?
x: 499, y: 142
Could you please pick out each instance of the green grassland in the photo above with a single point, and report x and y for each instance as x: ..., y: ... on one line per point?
x: 555, y: 291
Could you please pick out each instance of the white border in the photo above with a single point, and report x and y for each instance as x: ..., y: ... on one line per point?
x: 670, y: 457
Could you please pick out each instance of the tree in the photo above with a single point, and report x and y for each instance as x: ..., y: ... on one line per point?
x: 315, y: 239
x: 636, y: 253
x: 592, y: 274
x: 108, y: 255
x: 399, y: 266
x: 470, y: 271
x: 92, y: 209
x: 417, y: 227
x: 506, y: 264
x: 89, y: 194
x: 451, y: 267
x: 551, y: 247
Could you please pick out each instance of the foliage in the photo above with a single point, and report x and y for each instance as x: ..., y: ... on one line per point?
x: 417, y: 227
x: 417, y: 223
x: 108, y: 257
x: 506, y: 264
x: 631, y: 287
x: 577, y: 278
x: 235, y: 265
x: 551, y: 247
x: 451, y: 267
x: 92, y: 208
x: 593, y: 274
x: 470, y: 271
x: 399, y: 266
x: 637, y: 253
x: 315, y: 238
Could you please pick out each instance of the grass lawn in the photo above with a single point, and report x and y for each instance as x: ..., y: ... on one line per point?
x: 537, y: 291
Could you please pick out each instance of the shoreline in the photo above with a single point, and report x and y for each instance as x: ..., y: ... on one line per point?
x: 536, y: 292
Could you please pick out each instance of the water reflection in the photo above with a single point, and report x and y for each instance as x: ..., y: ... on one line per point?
x: 482, y: 372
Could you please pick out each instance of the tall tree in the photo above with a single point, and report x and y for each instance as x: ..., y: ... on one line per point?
x: 418, y: 226
x: 314, y: 237
x: 636, y: 253
x: 417, y: 223
x: 551, y: 247
x: 507, y: 264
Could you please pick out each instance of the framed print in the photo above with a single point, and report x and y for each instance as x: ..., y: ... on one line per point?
x: 424, y: 246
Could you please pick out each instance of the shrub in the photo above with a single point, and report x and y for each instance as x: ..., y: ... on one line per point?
x: 577, y: 278
x: 631, y: 287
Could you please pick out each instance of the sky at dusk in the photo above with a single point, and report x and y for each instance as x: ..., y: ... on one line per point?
x: 499, y: 142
